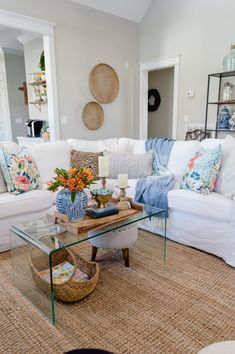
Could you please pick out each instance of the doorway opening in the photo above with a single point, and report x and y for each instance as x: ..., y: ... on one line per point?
x: 160, y: 102
x: 162, y: 73
x: 27, y: 89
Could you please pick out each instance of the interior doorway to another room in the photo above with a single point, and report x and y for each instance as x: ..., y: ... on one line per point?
x: 161, y: 75
x: 28, y: 89
x: 160, y: 102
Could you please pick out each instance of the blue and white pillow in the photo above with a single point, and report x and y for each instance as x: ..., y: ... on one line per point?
x: 202, y: 171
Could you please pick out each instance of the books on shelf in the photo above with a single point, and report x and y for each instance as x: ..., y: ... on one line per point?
x: 62, y: 273
x: 96, y: 213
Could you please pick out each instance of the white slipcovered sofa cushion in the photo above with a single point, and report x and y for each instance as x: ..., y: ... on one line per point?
x: 131, y: 146
x: 181, y: 153
x: 49, y: 156
x: 93, y: 145
x: 226, y: 177
x: 32, y: 201
x: 211, y: 143
x: 213, y: 205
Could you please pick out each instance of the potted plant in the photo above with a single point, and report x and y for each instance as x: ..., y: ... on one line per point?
x: 45, y: 132
x: 72, y: 200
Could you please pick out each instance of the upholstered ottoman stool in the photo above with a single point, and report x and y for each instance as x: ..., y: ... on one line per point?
x: 118, y: 239
x: 226, y: 347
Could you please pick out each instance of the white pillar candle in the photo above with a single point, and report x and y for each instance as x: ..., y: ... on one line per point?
x: 123, y: 180
x: 103, y: 166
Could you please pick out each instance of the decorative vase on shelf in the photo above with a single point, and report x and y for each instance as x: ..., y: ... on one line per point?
x: 227, y: 91
x: 232, y: 122
x: 223, y: 119
x: 229, y: 60
x: 74, y: 211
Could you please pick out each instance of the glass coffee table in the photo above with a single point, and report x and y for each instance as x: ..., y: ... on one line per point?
x: 36, y: 244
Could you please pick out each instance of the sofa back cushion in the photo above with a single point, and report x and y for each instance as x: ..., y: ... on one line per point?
x: 108, y: 144
x: 93, y: 145
x: 226, y: 177
x: 181, y: 153
x: 84, y: 145
x: 211, y: 143
x: 49, y: 156
x: 12, y: 148
x: 130, y: 146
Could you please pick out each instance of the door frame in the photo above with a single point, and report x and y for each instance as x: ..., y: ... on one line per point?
x: 5, y: 100
x: 144, y: 69
x: 46, y: 30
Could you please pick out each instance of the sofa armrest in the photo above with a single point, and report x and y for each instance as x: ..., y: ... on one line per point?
x: 232, y: 219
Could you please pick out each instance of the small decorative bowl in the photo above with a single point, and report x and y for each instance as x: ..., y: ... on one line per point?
x: 102, y: 196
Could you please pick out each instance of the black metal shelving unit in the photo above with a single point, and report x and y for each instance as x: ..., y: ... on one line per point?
x: 219, y: 102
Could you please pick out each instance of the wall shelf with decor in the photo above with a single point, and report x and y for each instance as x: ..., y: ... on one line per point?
x: 223, y: 120
x: 39, y: 86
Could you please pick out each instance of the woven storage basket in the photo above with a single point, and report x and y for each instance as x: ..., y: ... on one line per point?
x: 70, y: 290
x: 104, y: 83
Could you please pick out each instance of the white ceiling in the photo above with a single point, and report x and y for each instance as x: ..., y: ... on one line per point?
x: 133, y: 10
x: 8, y: 38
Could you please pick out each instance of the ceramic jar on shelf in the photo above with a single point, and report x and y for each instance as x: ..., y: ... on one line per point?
x: 223, y: 119
x: 229, y: 60
x: 232, y: 122
x: 227, y: 91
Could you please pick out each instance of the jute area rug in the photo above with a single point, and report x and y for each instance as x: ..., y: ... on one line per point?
x: 151, y: 307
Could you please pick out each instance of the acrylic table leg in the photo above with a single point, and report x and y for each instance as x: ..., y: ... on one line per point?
x: 165, y: 222
x: 52, y: 292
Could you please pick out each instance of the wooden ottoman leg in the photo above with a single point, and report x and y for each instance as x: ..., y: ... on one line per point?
x: 93, y: 253
x: 125, y: 252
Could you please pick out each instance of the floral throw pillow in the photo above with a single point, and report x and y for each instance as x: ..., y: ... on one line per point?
x: 201, y: 173
x: 19, y: 171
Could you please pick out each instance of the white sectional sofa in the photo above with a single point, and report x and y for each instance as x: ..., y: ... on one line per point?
x: 204, y: 222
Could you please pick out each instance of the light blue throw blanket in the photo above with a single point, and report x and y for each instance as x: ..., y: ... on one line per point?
x: 152, y: 190
x: 161, y: 148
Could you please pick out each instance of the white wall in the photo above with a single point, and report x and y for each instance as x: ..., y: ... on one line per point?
x: 160, y: 121
x: 15, y: 76
x: 32, y: 53
x: 201, y: 31
x: 83, y: 38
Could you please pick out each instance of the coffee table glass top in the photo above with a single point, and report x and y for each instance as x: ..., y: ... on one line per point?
x: 50, y: 237
x: 42, y: 240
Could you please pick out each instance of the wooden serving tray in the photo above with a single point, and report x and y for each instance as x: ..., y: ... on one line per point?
x: 88, y: 223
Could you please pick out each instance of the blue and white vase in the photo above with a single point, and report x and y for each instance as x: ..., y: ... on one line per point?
x: 74, y: 211
x: 223, y: 119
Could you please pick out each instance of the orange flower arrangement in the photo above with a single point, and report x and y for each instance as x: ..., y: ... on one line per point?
x: 75, y: 179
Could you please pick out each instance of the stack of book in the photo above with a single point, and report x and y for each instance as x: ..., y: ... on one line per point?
x: 62, y: 273
x: 96, y: 213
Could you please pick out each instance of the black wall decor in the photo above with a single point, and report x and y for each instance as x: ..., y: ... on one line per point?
x: 154, y: 100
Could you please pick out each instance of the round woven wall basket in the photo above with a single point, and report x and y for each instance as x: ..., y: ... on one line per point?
x: 104, y: 83
x: 93, y: 115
